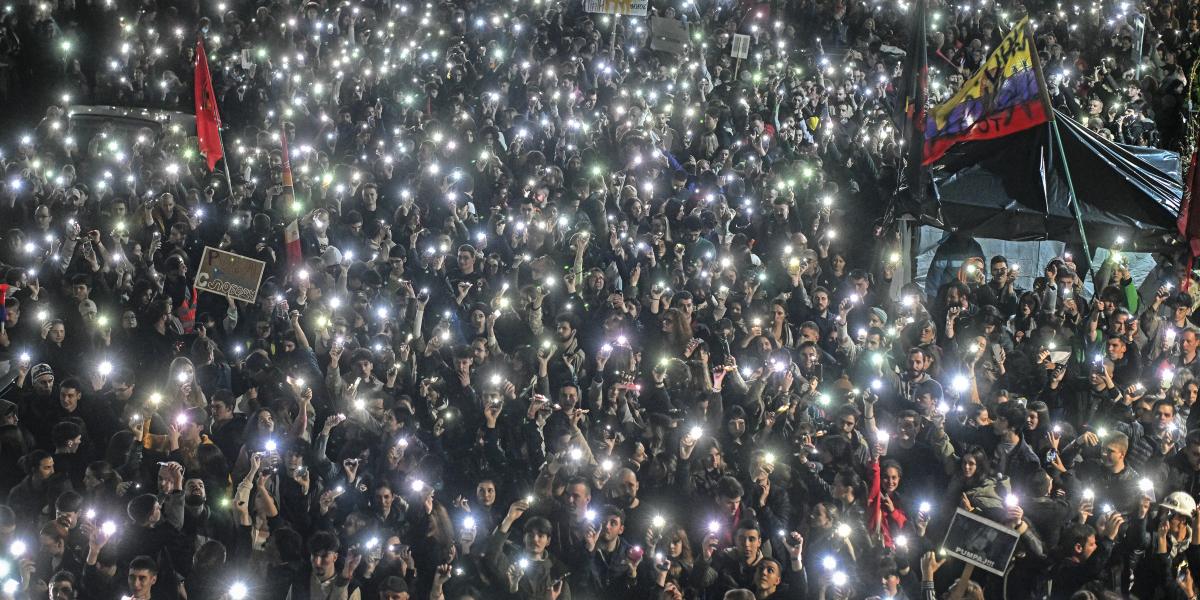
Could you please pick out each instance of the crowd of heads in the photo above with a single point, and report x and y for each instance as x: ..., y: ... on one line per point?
x: 564, y: 304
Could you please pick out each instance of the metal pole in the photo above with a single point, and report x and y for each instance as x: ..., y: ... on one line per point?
x: 225, y: 157
x: 1074, y: 199
x: 904, y: 272
x: 1050, y: 116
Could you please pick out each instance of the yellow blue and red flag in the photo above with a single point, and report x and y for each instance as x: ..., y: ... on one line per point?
x: 1003, y: 97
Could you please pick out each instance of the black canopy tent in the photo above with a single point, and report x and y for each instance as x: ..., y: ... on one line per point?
x: 1015, y: 188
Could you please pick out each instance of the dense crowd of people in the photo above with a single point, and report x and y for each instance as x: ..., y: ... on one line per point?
x: 571, y: 310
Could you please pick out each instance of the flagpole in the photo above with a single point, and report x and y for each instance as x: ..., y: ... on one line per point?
x: 289, y: 191
x: 913, y: 114
x: 225, y: 157
x: 1062, y: 153
x: 916, y: 98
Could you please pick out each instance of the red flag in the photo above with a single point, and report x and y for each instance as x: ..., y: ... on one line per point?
x: 291, y: 233
x: 874, y: 501
x: 208, y: 121
x: 291, y: 243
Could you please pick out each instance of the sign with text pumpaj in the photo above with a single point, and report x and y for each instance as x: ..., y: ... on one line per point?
x: 981, y: 542
x: 229, y: 274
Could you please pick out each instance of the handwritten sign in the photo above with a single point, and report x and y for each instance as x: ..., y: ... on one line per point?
x: 981, y: 542
x: 636, y: 8
x: 229, y: 274
x: 740, y: 46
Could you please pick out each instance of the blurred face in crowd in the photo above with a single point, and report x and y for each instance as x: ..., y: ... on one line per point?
x: 736, y: 426
x: 1032, y: 420
x: 1192, y: 453
x: 1115, y: 349
x: 748, y: 542
x: 42, y: 216
x: 1164, y: 417
x: 140, y: 583
x: 821, y: 301
x: 62, y: 590
x: 324, y: 561
x: 908, y: 428
x: 479, y: 352
x: 811, y: 358
x: 846, y: 424
x: 466, y: 261
x: 1120, y: 323
x: 917, y: 363
x: 969, y: 466
x: 383, y: 499
x: 565, y: 332
x: 1112, y: 455
x: 1084, y: 551
x: 728, y: 505
x: 928, y: 334
x: 953, y: 298
x: 861, y: 286
x: 889, y: 480
x: 485, y: 493
x: 536, y: 542
x: 612, y: 528
x: 1189, y: 341
x: 68, y: 398
x: 999, y: 271
x: 353, y: 525
x: 362, y: 368
x: 576, y: 498
x: 52, y: 545
x: 194, y: 487
x: 712, y: 459
x: 1190, y: 393
x: 1181, y: 312
x: 627, y: 484
x: 43, y: 384
x: 220, y: 410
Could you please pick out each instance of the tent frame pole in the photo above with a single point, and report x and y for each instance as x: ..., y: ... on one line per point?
x: 1062, y: 153
x: 1074, y: 199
